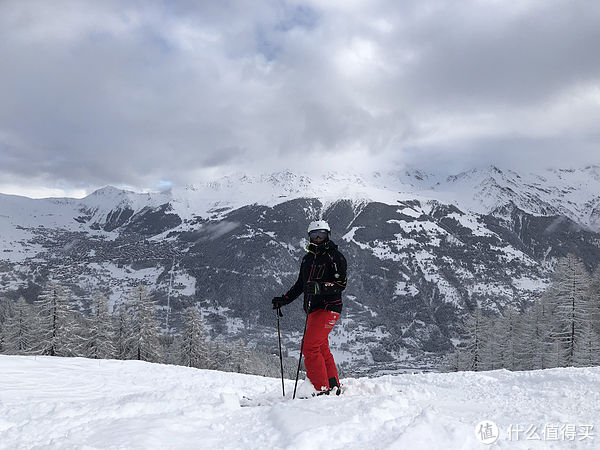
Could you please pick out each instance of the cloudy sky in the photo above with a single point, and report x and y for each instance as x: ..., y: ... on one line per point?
x: 153, y: 93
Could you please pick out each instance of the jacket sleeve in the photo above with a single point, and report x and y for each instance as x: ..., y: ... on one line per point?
x: 338, y: 283
x: 296, y: 289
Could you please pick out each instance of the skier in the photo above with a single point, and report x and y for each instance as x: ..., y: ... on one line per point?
x: 322, y: 279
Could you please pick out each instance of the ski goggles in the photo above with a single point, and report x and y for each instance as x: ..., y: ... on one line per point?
x: 318, y: 234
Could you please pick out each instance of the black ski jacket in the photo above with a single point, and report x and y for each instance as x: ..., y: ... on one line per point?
x: 326, y: 265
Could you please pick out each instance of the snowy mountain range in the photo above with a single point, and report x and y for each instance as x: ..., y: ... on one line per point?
x: 423, y: 250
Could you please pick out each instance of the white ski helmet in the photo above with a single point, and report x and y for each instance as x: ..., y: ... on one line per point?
x: 318, y: 225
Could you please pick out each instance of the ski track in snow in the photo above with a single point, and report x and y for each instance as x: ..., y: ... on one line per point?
x: 69, y: 403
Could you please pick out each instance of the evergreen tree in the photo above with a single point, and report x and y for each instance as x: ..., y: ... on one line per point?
x: 491, y: 356
x: 452, y: 362
x: 123, y: 328
x: 240, y: 357
x: 594, y: 300
x: 81, y: 333
x: 508, y: 333
x: 99, y: 343
x: 56, y: 332
x: 267, y: 364
x: 555, y: 348
x: 146, y: 331
x: 535, y: 337
x: 220, y: 355
x: 172, y: 350
x: 5, y: 313
x: 17, y: 329
x: 570, y: 305
x: 587, y: 350
x: 474, y: 342
x: 194, y: 349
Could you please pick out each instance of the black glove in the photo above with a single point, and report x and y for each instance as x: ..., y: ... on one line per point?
x: 278, y: 302
x: 312, y: 288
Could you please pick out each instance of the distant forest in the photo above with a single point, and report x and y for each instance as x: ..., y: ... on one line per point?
x: 560, y: 329
x: 53, y: 326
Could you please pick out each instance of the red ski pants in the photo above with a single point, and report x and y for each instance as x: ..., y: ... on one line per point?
x: 320, y: 366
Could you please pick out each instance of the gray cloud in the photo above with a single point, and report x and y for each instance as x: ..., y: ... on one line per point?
x: 98, y: 93
x: 495, y: 56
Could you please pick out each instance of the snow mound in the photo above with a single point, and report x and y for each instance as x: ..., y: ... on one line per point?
x: 78, y: 403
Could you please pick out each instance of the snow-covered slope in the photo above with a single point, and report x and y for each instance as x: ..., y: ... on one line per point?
x: 569, y: 192
x: 238, y: 190
x: 62, y: 212
x: 50, y: 402
x: 21, y: 216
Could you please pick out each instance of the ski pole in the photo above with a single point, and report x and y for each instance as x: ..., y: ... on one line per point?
x: 300, y: 358
x: 279, y: 314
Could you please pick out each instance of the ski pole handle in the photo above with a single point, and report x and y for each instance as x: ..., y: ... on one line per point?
x: 279, y: 313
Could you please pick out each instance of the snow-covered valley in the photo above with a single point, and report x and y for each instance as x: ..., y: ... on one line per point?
x: 48, y: 402
x: 423, y: 251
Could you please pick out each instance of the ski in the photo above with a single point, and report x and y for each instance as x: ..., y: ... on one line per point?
x: 268, y: 400
x: 261, y: 401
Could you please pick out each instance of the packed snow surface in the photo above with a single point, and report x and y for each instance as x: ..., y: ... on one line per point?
x: 50, y: 402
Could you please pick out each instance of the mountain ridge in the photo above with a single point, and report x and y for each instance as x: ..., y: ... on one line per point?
x: 423, y: 251
x: 570, y: 192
